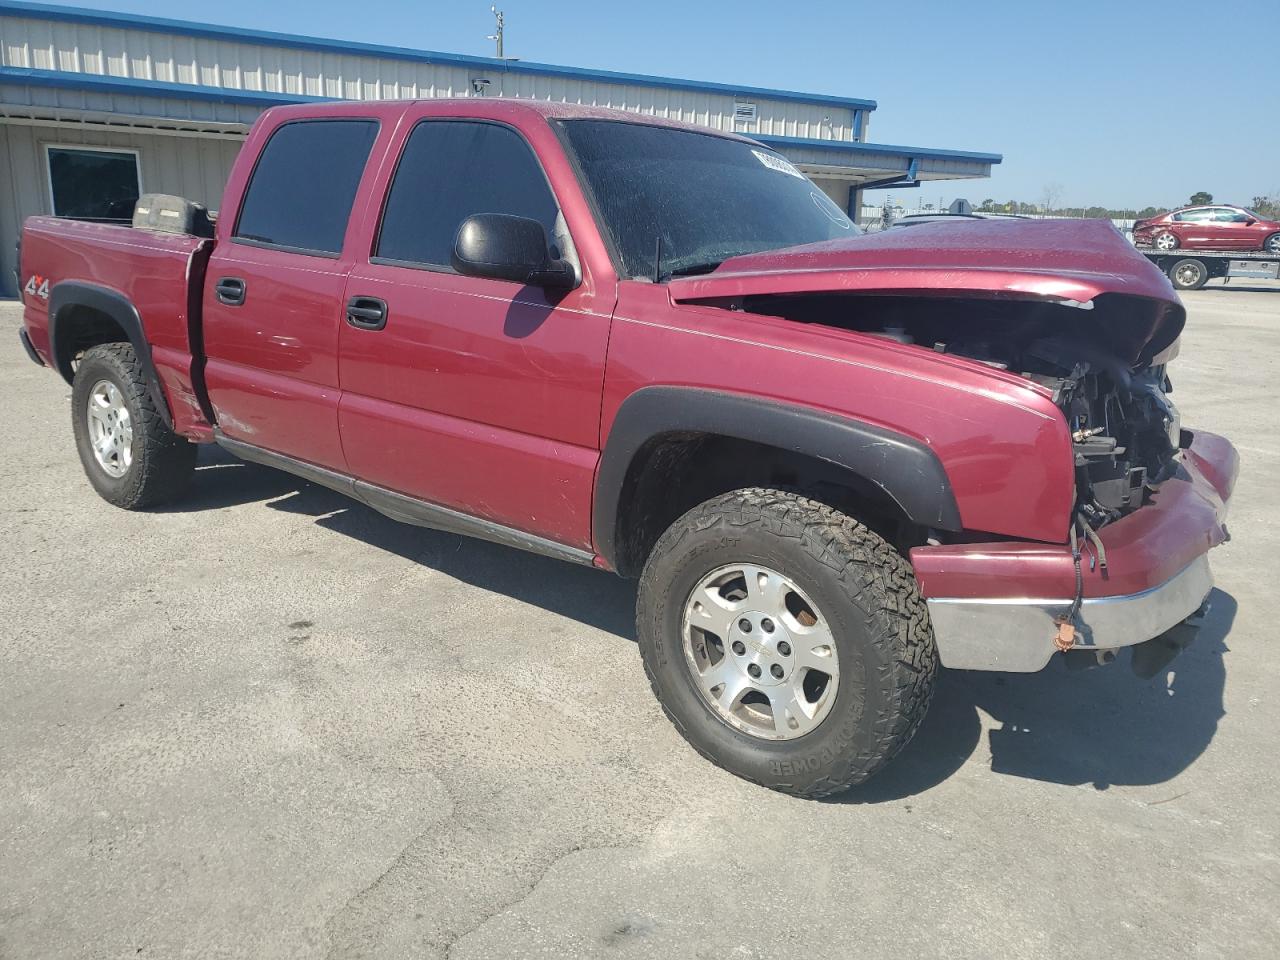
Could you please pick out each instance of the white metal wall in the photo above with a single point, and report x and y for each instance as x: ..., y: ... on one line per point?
x: 192, y: 167
x: 176, y: 58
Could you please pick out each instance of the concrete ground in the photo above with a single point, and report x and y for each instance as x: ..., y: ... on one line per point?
x: 269, y: 722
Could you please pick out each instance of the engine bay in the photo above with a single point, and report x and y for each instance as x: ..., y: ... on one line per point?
x: 1125, y: 431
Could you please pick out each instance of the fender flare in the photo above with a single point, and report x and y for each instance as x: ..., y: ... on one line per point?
x: 76, y: 293
x: 905, y: 468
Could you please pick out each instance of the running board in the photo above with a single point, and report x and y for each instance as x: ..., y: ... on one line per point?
x: 404, y: 508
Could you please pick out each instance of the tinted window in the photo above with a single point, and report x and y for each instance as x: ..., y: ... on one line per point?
x: 305, y: 183
x: 708, y: 197
x: 451, y: 170
x: 1194, y: 216
x: 93, y: 184
x: 1229, y: 216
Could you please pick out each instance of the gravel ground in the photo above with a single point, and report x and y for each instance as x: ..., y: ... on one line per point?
x: 271, y: 723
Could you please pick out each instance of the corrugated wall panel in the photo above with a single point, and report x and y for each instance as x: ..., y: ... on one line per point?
x: 173, y: 58
x: 192, y: 167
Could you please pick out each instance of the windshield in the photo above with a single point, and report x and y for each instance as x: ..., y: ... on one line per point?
x: 708, y: 197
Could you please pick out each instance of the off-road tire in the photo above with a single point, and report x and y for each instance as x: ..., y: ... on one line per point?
x: 866, y: 591
x: 163, y: 462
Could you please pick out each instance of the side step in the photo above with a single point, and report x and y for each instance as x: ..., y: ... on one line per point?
x: 404, y: 508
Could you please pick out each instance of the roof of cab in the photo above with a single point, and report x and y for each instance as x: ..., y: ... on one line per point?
x: 488, y: 108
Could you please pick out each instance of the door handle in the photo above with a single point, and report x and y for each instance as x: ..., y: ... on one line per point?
x: 367, y: 313
x: 230, y: 290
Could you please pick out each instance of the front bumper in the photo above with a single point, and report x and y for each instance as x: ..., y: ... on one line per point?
x: 993, y: 605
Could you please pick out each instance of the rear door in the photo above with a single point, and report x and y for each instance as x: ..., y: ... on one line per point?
x: 1194, y: 228
x: 274, y: 288
x: 475, y: 394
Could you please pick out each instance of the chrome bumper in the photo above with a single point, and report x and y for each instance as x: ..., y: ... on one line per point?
x: 1016, y: 636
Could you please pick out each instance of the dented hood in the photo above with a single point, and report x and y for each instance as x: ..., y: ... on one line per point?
x: 1081, y: 262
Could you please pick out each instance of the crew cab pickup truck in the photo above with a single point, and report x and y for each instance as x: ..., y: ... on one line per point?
x: 832, y: 460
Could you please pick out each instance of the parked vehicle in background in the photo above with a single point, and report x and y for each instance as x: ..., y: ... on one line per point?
x: 1212, y: 227
x: 915, y: 219
x: 833, y: 460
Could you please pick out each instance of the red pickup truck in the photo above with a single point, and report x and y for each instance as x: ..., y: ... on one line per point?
x: 833, y: 460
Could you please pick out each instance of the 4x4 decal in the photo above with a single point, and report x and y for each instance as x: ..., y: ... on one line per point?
x: 37, y: 286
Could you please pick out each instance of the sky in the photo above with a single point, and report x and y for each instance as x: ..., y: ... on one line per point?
x: 1122, y: 104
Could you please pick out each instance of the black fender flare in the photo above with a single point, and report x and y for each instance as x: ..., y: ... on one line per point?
x: 77, y: 293
x: 906, y: 469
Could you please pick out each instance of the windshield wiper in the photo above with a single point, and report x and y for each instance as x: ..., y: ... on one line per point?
x: 692, y: 269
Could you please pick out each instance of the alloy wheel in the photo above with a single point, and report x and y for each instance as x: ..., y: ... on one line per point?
x: 760, y: 652
x: 110, y: 429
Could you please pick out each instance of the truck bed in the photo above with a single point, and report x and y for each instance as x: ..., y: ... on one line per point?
x: 161, y: 275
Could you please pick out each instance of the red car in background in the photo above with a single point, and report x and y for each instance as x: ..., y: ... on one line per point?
x: 1212, y: 227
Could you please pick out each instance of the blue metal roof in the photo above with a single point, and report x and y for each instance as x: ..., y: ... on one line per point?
x: 68, y: 80
x: 44, y: 11
x: 850, y: 146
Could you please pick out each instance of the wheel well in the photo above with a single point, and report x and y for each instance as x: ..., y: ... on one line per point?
x: 79, y: 328
x: 674, y: 472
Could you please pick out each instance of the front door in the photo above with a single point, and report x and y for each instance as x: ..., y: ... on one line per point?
x: 475, y: 394
x: 273, y: 294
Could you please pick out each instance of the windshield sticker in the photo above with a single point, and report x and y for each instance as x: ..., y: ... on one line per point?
x: 777, y: 163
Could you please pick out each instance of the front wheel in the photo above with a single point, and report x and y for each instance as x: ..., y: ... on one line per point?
x: 1165, y: 241
x: 786, y: 641
x: 1188, y: 274
x: 1272, y: 244
x: 128, y: 453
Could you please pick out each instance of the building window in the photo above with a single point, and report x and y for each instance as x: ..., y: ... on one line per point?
x: 91, y: 184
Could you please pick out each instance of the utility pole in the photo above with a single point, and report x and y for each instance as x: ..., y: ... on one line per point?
x: 497, y: 36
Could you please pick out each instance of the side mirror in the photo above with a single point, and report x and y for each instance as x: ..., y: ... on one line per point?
x: 505, y: 247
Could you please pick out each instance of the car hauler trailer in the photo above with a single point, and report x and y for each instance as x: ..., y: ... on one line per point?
x: 1191, y: 269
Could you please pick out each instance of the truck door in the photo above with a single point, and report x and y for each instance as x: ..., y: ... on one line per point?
x: 274, y: 287
x: 475, y: 394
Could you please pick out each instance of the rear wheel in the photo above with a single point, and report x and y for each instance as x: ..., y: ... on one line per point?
x: 1188, y: 274
x: 1165, y: 241
x: 128, y: 453
x: 1272, y: 244
x: 786, y: 641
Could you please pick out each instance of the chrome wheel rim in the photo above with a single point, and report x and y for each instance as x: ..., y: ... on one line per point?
x: 1273, y: 244
x: 1187, y: 275
x: 760, y: 652
x: 110, y: 429
x: 1165, y: 241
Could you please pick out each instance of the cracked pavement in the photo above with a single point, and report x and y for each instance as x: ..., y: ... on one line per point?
x: 268, y: 722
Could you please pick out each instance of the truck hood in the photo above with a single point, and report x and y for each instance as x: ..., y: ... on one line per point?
x: 1084, y: 263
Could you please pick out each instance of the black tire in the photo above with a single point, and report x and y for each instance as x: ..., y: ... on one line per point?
x: 1188, y: 274
x: 1272, y: 244
x: 866, y: 591
x: 162, y: 462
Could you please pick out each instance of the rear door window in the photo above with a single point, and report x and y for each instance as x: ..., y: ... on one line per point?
x: 451, y: 170
x: 304, y: 185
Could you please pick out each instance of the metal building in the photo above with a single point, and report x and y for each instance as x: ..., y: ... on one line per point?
x: 96, y: 107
